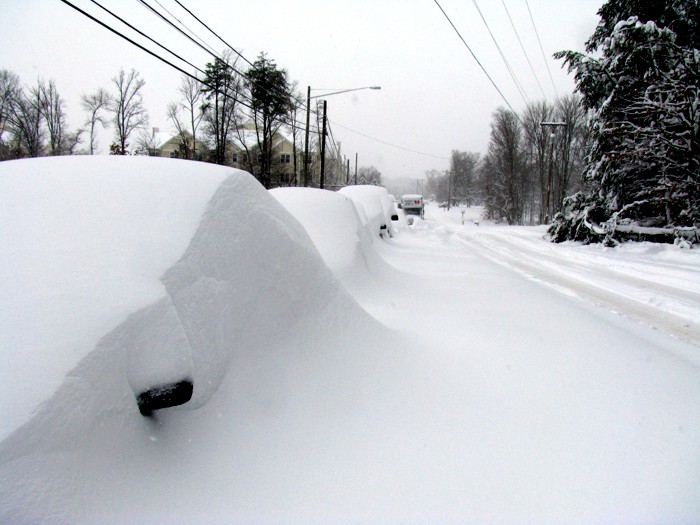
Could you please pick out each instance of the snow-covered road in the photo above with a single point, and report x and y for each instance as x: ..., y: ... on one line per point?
x: 556, y: 365
x: 658, y: 286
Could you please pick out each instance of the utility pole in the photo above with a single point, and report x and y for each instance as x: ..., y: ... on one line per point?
x: 355, y: 169
x: 448, y: 173
x: 553, y: 125
x: 347, y: 173
x: 306, y: 141
x: 323, y: 145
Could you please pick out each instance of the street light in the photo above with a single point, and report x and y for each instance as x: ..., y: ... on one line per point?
x: 323, y: 138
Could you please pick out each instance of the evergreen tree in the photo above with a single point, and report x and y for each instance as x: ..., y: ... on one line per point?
x: 271, y: 100
x: 643, y: 171
x: 221, y: 92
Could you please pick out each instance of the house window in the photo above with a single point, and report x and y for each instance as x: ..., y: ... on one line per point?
x: 234, y: 158
x: 285, y: 158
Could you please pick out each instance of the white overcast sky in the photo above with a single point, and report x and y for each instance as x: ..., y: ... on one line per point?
x: 434, y: 96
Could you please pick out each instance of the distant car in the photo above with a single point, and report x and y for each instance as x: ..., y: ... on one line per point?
x: 413, y: 205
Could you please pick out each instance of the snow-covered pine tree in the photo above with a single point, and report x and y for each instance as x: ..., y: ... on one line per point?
x: 643, y: 170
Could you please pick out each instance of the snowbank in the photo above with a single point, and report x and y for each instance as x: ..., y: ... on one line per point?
x: 343, y: 240
x: 86, y: 241
x: 223, y: 284
x: 374, y: 207
x: 494, y: 399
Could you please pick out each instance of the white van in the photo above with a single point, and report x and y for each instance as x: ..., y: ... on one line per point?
x: 412, y: 204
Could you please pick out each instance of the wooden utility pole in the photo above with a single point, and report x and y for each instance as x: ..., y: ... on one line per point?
x: 553, y: 125
x: 323, y: 145
x: 306, y: 141
x: 448, y: 173
x: 355, y: 169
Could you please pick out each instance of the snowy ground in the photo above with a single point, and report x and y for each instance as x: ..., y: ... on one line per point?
x: 658, y: 285
x: 454, y: 373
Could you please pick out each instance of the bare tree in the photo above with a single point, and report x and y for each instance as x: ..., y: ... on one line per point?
x: 504, y: 169
x: 10, y: 90
x: 127, y: 106
x: 186, y: 147
x: 571, y: 143
x: 26, y: 123
x: 187, y: 126
x: 147, y: 142
x: 295, y: 109
x: 537, y: 145
x: 52, y: 107
x: 96, y: 104
x: 463, y: 165
x: 369, y: 175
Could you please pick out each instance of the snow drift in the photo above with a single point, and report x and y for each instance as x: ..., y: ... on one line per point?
x: 86, y: 242
x: 494, y: 399
x: 345, y: 242
x: 162, y: 270
x: 374, y: 207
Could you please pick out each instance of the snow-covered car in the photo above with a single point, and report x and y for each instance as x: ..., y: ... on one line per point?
x: 334, y: 225
x: 132, y: 284
x: 413, y: 205
x: 158, y: 259
x: 374, y: 207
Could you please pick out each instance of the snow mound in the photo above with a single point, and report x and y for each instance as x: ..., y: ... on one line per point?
x: 374, y: 206
x: 86, y: 241
x: 343, y: 240
x: 234, y: 296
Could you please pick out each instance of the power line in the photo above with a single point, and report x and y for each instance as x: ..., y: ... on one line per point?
x: 185, y: 27
x: 518, y: 86
x: 288, y: 122
x: 527, y: 58
x: 477, y: 60
x: 106, y: 26
x: 279, y: 90
x: 213, y: 32
x: 390, y: 144
x: 146, y: 36
x: 213, y: 54
x: 546, y: 63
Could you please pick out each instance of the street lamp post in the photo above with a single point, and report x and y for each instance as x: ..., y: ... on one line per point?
x: 323, y: 138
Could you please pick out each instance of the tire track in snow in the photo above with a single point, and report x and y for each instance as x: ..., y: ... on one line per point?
x: 589, y: 268
x: 580, y: 279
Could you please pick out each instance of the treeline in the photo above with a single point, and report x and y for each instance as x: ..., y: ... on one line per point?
x: 618, y: 161
x: 529, y: 168
x: 230, y: 110
x: 33, y: 119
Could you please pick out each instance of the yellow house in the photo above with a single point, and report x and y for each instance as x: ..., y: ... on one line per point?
x: 243, y: 153
x: 180, y: 146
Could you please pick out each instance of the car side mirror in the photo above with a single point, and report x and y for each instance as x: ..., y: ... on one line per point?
x: 394, y: 217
